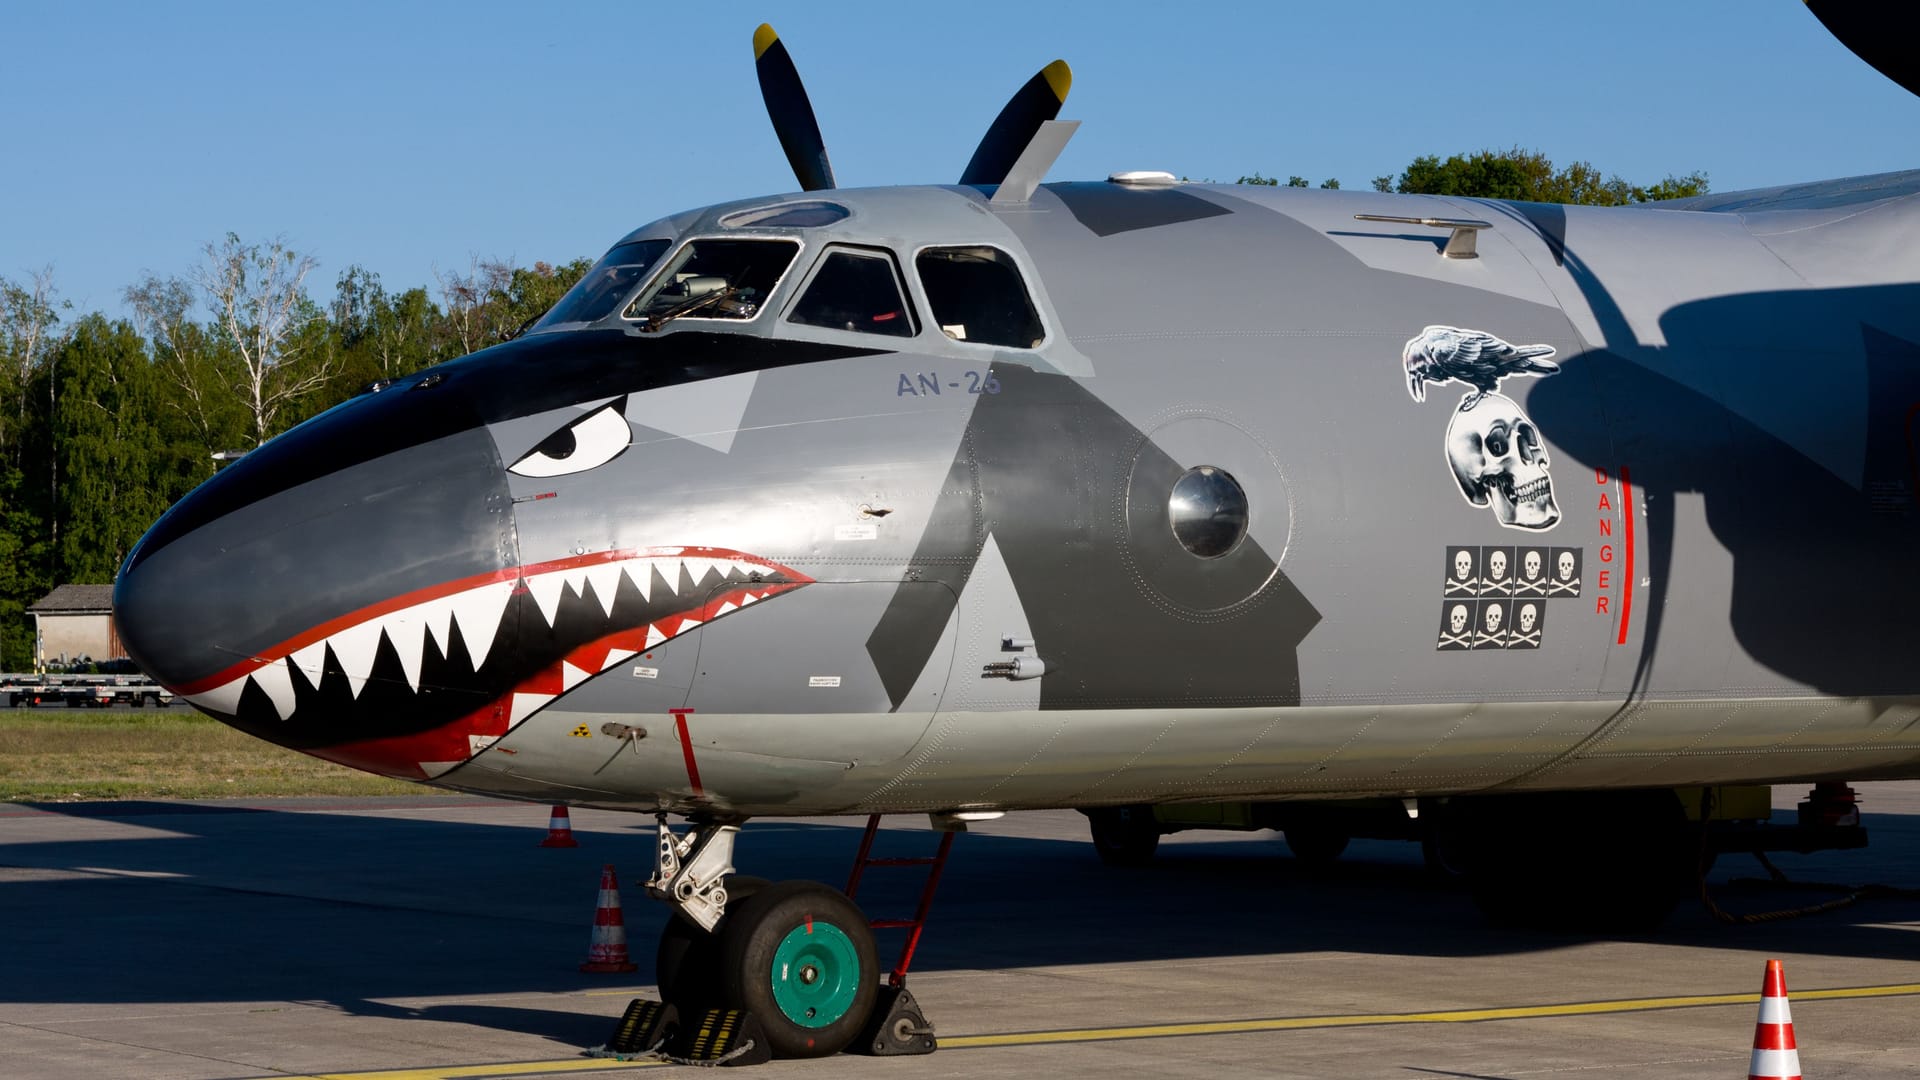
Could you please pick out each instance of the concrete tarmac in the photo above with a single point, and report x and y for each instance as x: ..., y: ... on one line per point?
x: 433, y: 937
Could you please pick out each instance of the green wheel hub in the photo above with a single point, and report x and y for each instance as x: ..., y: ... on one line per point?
x: 816, y: 974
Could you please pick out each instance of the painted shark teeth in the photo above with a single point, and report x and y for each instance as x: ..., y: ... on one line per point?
x: 478, y: 612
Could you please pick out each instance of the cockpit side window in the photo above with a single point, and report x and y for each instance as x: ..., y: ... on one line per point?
x: 715, y: 279
x: 857, y: 291
x: 978, y: 295
x: 602, y: 288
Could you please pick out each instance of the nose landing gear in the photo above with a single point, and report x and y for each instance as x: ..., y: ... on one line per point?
x: 797, y: 957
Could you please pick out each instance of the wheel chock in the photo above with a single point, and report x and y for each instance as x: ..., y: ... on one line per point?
x: 720, y: 1037
x: 646, y: 1026
x: 897, y: 1027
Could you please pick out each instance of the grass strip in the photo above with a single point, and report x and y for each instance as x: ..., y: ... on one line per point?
x: 75, y: 754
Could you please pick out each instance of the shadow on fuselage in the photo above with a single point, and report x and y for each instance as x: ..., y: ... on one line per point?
x: 1825, y: 573
x: 348, y: 908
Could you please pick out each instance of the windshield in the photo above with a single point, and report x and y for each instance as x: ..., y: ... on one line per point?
x: 716, y: 279
x: 608, y: 283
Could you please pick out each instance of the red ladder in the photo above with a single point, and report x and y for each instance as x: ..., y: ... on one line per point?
x: 913, y: 926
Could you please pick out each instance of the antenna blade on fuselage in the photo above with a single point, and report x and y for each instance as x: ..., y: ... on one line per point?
x: 1032, y: 105
x: 790, y: 111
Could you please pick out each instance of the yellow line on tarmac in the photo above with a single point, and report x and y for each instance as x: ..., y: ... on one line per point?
x: 508, y: 1068
x: 1217, y: 1027
x: 1457, y: 1016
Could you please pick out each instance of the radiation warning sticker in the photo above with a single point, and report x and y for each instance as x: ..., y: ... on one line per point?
x: 581, y: 732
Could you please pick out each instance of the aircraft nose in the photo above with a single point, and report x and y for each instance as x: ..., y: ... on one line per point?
x: 309, y: 539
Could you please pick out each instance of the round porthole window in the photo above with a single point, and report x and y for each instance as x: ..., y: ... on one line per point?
x: 1208, y: 510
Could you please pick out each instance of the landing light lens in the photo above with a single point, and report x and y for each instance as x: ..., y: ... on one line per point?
x: 1208, y: 511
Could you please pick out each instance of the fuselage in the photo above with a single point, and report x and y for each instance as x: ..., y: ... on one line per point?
x: 753, y: 540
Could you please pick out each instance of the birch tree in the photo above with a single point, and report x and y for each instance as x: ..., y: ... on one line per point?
x: 257, y: 295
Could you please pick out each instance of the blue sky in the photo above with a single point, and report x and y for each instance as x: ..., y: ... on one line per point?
x: 411, y: 136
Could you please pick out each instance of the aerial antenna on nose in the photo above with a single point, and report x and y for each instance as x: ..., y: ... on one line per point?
x: 1011, y: 135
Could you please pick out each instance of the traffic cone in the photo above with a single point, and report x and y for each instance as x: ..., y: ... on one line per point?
x: 559, y: 830
x: 608, y: 952
x: 1775, y: 1056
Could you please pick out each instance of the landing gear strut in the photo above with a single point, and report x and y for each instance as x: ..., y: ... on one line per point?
x: 797, y: 957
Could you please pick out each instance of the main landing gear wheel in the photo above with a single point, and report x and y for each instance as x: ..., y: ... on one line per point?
x: 799, y: 956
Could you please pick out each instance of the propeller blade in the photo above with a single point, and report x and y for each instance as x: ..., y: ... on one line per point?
x: 1032, y: 105
x: 790, y: 111
x: 1873, y: 33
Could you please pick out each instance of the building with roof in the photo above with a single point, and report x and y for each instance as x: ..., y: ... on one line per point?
x: 74, y: 624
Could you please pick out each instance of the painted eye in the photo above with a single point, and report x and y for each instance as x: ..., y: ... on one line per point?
x: 587, y: 443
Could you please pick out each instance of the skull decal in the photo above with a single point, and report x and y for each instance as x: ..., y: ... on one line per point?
x: 1531, y: 564
x: 1462, y: 565
x: 1497, y: 566
x: 1493, y: 618
x: 1528, y: 616
x: 1564, y: 566
x: 1497, y: 455
x: 1498, y: 460
x: 1457, y: 618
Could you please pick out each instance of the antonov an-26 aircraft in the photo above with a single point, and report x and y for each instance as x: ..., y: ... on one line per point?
x: 1110, y: 495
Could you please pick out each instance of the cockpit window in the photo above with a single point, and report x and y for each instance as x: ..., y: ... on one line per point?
x: 608, y: 283
x: 801, y: 215
x: 856, y: 291
x: 715, y: 279
x: 978, y: 295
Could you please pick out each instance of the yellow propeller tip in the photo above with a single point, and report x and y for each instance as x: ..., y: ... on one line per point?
x: 1060, y: 77
x: 763, y: 40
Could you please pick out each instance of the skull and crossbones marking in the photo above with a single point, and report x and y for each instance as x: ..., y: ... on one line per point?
x: 1566, y: 574
x: 1532, y: 579
x: 1526, y: 628
x: 1497, y: 581
x: 1455, y: 633
x: 1460, y: 577
x: 1492, y: 636
x: 1498, y: 459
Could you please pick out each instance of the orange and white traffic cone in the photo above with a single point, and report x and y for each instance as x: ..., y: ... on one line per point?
x: 1775, y: 1056
x: 608, y: 952
x: 559, y: 830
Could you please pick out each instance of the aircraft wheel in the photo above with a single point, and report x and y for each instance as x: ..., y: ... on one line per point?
x: 800, y: 957
x: 1316, y: 847
x: 1124, y: 835
x: 686, y: 964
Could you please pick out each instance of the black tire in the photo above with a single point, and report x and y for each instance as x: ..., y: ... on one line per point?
x: 686, y: 963
x: 755, y: 972
x: 1124, y: 835
x: 1316, y: 847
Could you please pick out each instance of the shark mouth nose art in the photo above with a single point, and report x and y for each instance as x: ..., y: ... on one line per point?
x: 417, y: 684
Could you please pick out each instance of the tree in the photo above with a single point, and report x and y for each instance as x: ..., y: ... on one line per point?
x: 477, y: 303
x: 1259, y: 181
x: 1528, y: 176
x: 106, y: 442
x: 259, y: 301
